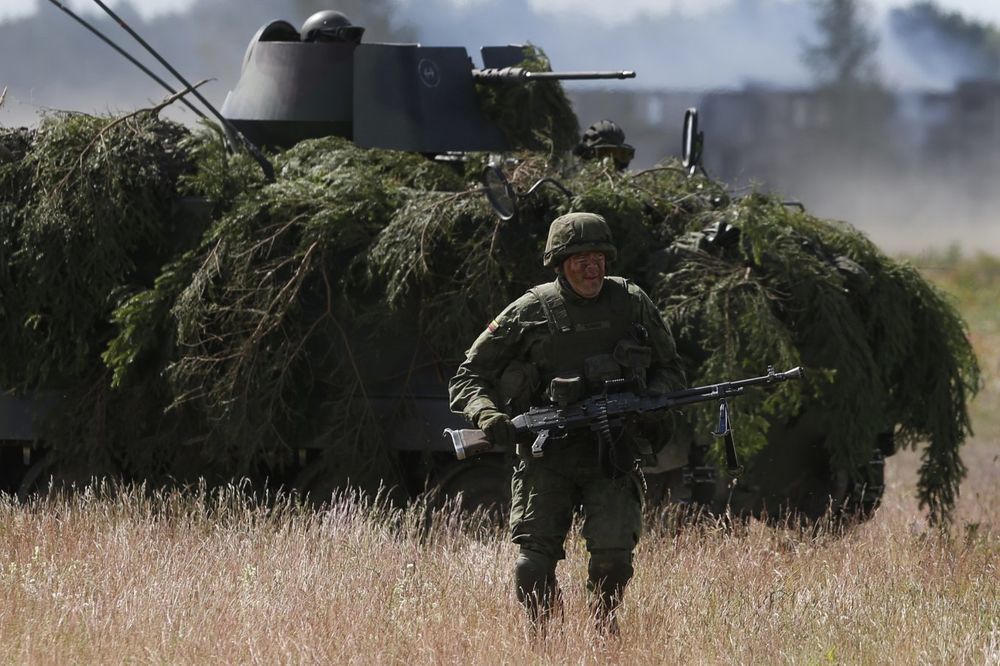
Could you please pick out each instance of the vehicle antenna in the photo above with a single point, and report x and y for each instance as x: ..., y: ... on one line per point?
x: 254, y: 151
x: 107, y: 40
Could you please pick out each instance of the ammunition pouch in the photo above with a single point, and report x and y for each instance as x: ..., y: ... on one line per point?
x: 518, y: 385
x: 599, y: 369
x: 629, y: 361
x: 566, y: 390
x: 635, y: 359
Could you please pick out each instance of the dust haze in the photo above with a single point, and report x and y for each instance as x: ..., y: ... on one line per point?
x: 915, y: 169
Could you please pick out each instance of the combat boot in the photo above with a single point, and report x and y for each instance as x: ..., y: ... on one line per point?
x: 609, y: 572
x: 537, y: 589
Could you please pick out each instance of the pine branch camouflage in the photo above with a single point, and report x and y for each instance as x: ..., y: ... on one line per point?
x: 219, y: 345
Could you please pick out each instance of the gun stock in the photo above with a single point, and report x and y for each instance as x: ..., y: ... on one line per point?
x: 468, y: 442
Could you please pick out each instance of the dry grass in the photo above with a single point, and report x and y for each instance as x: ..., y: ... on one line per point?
x: 124, y: 575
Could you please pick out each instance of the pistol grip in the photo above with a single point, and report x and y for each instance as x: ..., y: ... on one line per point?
x: 538, y: 447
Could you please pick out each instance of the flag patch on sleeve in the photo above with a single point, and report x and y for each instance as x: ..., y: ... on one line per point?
x: 493, y: 326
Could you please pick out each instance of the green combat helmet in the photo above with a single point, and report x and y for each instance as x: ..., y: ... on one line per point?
x: 578, y: 232
x: 605, y: 139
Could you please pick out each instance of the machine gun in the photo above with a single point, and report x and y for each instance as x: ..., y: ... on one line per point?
x: 512, y: 74
x: 601, y: 412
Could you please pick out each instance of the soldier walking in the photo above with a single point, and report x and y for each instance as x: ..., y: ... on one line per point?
x: 559, y: 342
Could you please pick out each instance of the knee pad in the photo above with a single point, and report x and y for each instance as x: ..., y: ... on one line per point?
x: 609, y: 571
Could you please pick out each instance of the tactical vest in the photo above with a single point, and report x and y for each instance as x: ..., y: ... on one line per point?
x: 586, y: 338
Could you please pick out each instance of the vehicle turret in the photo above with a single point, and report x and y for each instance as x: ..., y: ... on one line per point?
x: 294, y: 86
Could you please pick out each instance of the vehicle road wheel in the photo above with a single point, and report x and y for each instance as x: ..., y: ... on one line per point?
x: 50, y: 474
x: 483, y: 484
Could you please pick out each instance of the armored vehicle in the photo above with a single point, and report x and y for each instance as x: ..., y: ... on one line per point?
x: 301, y: 330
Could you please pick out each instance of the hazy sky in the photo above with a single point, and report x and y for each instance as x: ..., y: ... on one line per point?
x: 620, y: 10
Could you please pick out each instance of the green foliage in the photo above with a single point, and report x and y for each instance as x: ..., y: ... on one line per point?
x: 220, y: 176
x: 533, y: 115
x: 276, y: 324
x: 884, y: 351
x: 85, y: 218
x: 266, y: 325
x: 142, y: 322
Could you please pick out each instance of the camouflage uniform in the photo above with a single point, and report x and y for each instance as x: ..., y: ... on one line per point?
x: 552, y: 332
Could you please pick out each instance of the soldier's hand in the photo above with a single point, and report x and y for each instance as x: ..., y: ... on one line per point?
x: 498, y: 428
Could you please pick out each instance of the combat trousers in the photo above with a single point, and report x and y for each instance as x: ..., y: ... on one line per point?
x: 545, y: 493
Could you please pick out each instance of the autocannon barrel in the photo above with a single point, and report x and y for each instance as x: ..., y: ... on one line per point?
x: 521, y: 74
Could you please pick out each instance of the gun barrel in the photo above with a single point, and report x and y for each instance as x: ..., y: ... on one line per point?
x: 771, y: 377
x: 702, y: 393
x: 624, y: 74
x: 521, y: 74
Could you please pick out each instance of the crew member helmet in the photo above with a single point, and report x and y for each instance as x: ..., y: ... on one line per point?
x: 330, y: 26
x: 578, y: 232
x: 605, y: 139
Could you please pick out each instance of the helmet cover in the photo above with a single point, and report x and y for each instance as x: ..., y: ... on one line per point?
x: 578, y: 232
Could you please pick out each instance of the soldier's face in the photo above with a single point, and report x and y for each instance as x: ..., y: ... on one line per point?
x: 585, y: 273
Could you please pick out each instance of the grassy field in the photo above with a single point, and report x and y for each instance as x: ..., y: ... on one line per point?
x: 113, y: 575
